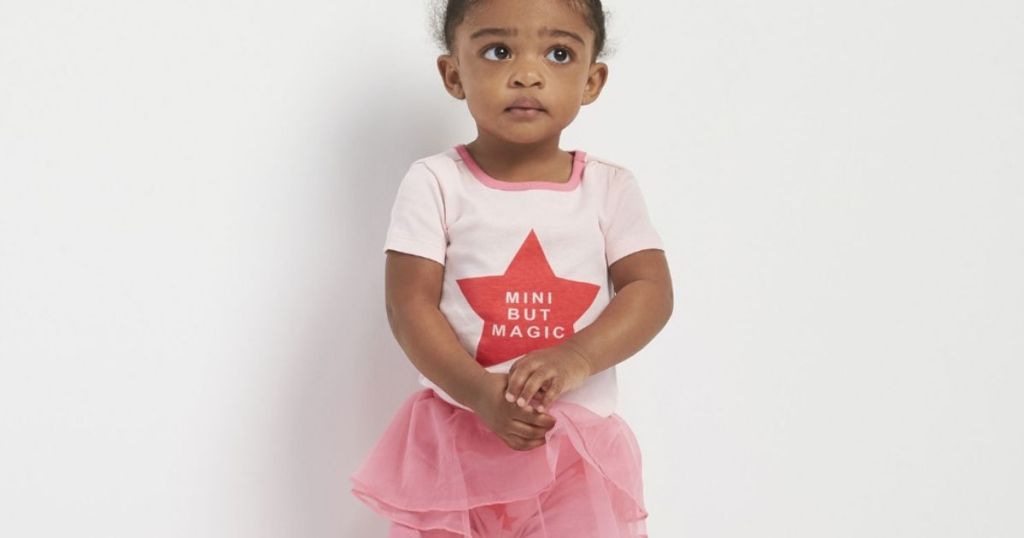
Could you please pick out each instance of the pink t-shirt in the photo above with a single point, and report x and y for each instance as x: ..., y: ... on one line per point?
x: 525, y: 263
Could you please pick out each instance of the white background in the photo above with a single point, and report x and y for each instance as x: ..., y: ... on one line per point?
x: 193, y: 200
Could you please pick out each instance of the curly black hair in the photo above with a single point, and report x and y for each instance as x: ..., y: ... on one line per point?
x: 448, y: 14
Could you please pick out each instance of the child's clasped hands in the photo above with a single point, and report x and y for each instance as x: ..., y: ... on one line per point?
x: 546, y: 373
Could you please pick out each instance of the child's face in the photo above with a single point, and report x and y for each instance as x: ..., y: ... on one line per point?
x: 491, y: 71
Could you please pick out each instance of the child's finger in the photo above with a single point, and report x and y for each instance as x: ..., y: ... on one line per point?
x: 532, y: 388
x: 518, y: 391
x: 546, y: 398
x: 517, y: 387
x: 544, y: 395
x: 514, y: 386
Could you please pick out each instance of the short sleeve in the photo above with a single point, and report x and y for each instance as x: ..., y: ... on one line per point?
x: 417, y: 223
x: 628, y: 227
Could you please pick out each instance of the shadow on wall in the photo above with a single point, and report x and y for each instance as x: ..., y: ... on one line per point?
x: 349, y: 375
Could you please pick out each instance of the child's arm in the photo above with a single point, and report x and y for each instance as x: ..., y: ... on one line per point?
x: 640, y: 308
x: 412, y: 294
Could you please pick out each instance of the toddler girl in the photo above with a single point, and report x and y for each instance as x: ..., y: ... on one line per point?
x: 517, y: 276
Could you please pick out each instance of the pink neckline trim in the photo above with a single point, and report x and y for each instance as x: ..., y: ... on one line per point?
x: 578, y: 161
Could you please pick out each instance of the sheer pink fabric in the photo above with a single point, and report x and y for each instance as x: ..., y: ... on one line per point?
x: 438, y: 472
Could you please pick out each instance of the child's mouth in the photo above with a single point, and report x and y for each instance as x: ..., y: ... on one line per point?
x: 523, y: 112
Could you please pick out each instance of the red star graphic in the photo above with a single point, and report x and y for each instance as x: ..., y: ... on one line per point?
x: 526, y: 308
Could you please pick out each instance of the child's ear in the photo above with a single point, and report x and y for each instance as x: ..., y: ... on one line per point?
x: 595, y: 82
x: 449, y: 71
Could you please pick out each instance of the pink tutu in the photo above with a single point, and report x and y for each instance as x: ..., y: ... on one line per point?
x: 438, y: 471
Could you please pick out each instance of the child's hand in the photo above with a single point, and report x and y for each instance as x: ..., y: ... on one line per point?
x: 547, y: 373
x: 518, y: 428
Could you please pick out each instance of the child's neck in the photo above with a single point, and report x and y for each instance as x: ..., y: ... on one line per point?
x: 541, y: 161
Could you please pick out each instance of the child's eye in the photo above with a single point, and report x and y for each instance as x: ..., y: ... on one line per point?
x: 495, y: 47
x: 566, y: 53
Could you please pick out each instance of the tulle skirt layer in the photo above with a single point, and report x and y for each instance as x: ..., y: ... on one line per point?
x: 437, y: 471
